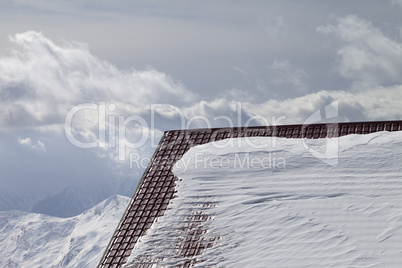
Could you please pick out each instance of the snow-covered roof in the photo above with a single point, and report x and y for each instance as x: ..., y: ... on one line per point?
x: 290, y: 196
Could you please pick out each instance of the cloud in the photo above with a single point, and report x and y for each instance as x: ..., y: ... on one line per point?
x: 40, y: 81
x: 366, y: 55
x: 275, y: 26
x: 378, y: 103
x: 396, y: 2
x: 40, y: 146
x: 283, y: 72
x: 26, y: 141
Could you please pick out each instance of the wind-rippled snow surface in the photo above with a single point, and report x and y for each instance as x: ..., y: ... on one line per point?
x: 279, y: 206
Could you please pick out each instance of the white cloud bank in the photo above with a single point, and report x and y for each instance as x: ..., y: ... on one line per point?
x: 40, y: 81
x: 366, y: 54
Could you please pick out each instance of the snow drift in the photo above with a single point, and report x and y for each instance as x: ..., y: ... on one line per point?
x: 302, y: 213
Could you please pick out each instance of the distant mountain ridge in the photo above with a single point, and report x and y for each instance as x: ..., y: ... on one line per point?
x: 69, y: 202
x: 19, y: 202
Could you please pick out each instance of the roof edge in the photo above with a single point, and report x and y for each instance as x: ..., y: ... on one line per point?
x: 284, y: 125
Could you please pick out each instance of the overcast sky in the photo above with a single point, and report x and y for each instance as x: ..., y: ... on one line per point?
x: 274, y: 61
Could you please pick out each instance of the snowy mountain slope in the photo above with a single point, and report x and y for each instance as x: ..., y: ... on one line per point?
x: 276, y: 205
x: 37, y: 240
